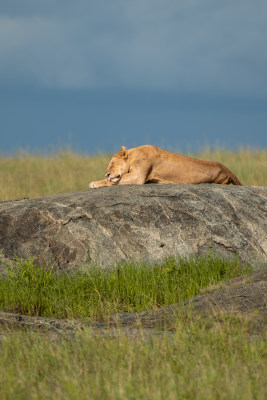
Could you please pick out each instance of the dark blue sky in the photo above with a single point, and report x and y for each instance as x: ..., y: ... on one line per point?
x: 95, y: 74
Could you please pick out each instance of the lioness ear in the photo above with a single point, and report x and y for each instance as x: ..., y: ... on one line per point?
x: 123, y: 152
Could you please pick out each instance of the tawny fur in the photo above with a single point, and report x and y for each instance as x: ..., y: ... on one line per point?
x: 150, y: 164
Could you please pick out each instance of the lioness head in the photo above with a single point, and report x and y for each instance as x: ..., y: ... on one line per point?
x: 117, y: 166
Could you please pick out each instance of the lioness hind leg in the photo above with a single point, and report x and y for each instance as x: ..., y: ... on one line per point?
x: 225, y: 181
x: 226, y: 177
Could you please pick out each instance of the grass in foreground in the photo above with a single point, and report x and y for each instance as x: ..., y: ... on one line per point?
x: 40, y: 175
x: 95, y: 293
x: 214, y: 359
x: 195, y: 363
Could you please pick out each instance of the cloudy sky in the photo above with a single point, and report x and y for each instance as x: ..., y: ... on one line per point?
x: 95, y: 74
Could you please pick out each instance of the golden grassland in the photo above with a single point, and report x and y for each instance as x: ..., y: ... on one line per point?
x: 38, y: 175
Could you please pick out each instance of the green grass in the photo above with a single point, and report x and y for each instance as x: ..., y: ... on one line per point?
x: 196, y: 363
x: 39, y: 175
x: 215, y: 358
x: 95, y: 293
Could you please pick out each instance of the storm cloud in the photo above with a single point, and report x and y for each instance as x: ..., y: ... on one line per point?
x: 197, y: 46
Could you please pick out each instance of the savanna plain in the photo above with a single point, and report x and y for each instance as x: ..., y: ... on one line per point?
x: 217, y: 358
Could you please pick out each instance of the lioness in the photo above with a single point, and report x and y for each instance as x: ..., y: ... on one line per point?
x: 150, y: 164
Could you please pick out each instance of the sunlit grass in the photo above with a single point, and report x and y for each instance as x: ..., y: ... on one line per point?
x: 93, y: 292
x: 39, y: 175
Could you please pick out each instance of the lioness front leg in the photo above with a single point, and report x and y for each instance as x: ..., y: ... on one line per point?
x: 99, y: 184
x: 132, y: 178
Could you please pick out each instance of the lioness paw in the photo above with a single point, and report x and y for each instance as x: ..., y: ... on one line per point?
x: 92, y: 185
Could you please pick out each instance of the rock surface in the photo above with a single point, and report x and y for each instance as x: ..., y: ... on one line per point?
x: 244, y: 297
x: 132, y: 222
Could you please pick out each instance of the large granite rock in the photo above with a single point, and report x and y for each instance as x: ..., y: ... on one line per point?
x: 132, y: 222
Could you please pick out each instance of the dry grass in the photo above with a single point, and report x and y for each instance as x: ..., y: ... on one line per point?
x: 39, y: 175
